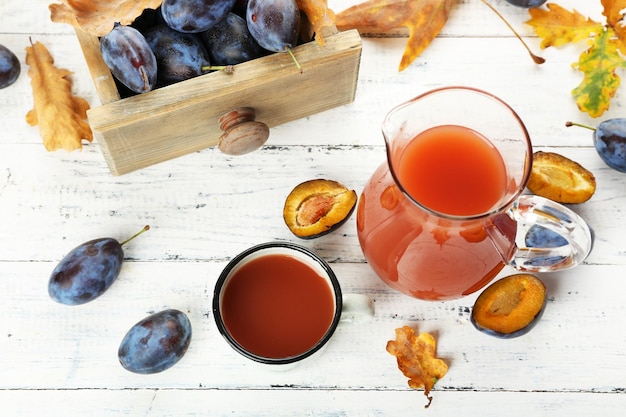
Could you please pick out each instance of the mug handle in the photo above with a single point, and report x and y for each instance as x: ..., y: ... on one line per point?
x: 535, y: 211
x: 357, y: 308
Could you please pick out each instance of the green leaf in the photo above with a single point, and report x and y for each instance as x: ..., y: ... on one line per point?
x: 600, y: 82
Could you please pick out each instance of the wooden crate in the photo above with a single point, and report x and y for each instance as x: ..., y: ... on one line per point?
x: 172, y: 121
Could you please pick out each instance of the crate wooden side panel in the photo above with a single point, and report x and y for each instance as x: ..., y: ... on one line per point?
x: 100, y: 73
x: 172, y: 121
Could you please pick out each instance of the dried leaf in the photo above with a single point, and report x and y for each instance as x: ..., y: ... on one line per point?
x: 607, y: 45
x: 557, y: 26
x: 320, y: 16
x: 615, y: 18
x: 423, y: 18
x: 60, y: 115
x: 416, y: 359
x: 97, y: 17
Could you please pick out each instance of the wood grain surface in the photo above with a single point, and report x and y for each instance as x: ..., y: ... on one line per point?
x: 205, y: 207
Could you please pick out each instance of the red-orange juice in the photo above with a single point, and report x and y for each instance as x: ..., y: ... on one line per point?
x: 276, y: 306
x: 452, y: 170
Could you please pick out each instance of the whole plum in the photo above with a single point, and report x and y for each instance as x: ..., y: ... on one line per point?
x: 194, y: 16
x: 129, y: 57
x: 87, y: 271
x: 230, y: 43
x: 155, y: 343
x: 610, y: 143
x: 180, y: 56
x: 542, y: 237
x: 528, y: 4
x: 274, y: 24
x: 609, y: 139
x: 9, y: 67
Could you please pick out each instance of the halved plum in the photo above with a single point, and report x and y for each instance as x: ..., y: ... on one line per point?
x: 510, y: 307
x: 560, y: 179
x: 317, y: 207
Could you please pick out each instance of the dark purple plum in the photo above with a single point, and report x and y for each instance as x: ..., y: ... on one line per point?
x: 87, y: 271
x: 9, y: 67
x: 180, y: 56
x: 194, y: 16
x: 155, y: 343
x: 541, y: 237
x: 609, y: 139
x: 230, y: 43
x: 610, y: 143
x: 274, y: 24
x: 129, y: 57
x: 528, y: 4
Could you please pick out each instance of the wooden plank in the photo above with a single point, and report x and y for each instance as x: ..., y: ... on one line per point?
x: 209, y: 205
x: 576, y: 346
x: 296, y: 401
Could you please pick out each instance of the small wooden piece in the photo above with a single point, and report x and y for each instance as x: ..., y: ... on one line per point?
x: 172, y: 121
x: 242, y: 134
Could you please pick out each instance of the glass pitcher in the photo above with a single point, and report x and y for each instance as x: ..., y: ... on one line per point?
x: 445, y: 213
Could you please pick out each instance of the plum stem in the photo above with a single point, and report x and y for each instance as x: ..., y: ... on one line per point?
x: 228, y: 69
x: 290, y: 52
x: 536, y: 59
x: 569, y: 124
x: 145, y: 229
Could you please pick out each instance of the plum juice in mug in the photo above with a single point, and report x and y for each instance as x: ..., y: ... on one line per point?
x: 276, y: 306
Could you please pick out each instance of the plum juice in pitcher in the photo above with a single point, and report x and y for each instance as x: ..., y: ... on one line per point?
x: 452, y: 170
x: 442, y: 216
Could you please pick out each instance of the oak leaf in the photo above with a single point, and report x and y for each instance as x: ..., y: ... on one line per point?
x: 60, y: 115
x: 322, y: 18
x: 423, y: 18
x: 416, y: 359
x: 557, y: 26
x: 97, y: 17
x: 606, y: 50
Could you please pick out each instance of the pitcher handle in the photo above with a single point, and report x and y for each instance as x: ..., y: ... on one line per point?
x: 532, y: 210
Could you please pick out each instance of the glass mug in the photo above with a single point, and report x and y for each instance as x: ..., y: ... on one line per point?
x: 279, y: 303
x: 445, y: 213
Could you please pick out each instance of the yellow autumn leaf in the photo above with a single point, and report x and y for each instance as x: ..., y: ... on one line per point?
x: 97, y: 17
x: 415, y: 355
x: 320, y: 16
x: 614, y: 13
x: 557, y: 26
x: 423, y: 18
x: 60, y: 115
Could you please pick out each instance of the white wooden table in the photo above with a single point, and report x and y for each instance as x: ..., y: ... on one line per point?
x: 206, y: 207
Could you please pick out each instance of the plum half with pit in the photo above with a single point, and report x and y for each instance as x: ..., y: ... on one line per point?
x: 317, y: 207
x: 510, y: 307
x: 609, y: 139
